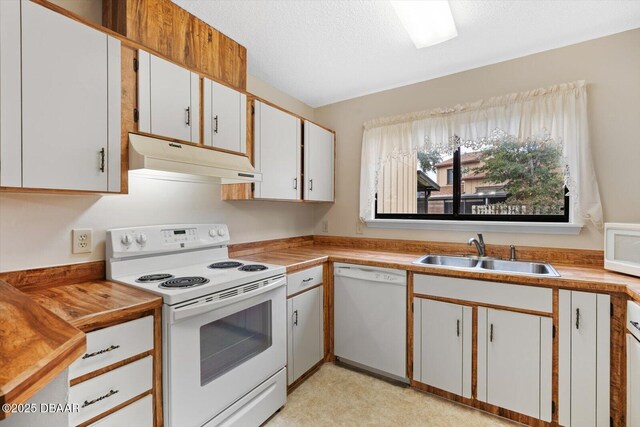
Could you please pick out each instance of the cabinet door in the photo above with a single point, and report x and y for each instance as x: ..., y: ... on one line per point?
x: 633, y: 382
x: 318, y: 163
x: 584, y: 359
x: 518, y: 362
x: 168, y: 98
x: 70, y: 102
x: 225, y: 117
x: 10, y: 96
x: 277, y: 153
x: 445, y: 360
x: 307, y: 331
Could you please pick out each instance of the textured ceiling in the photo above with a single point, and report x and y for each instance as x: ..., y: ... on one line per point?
x: 323, y: 51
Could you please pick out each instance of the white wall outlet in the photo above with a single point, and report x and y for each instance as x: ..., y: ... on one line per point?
x: 359, y: 226
x: 325, y: 226
x: 82, y: 240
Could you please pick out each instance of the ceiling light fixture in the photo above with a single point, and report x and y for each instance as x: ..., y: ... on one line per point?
x: 428, y: 22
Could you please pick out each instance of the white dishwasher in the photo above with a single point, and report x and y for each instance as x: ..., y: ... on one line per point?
x: 370, y: 318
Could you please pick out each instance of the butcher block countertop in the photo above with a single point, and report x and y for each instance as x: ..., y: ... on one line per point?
x: 42, y: 328
x: 585, y: 278
x: 35, y: 346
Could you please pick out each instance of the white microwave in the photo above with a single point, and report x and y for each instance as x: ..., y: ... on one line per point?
x: 622, y: 248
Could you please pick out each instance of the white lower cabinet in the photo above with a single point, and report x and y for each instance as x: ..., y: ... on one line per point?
x: 305, y: 332
x: 515, y: 361
x: 136, y: 414
x: 633, y: 381
x: 442, y: 345
x: 584, y: 361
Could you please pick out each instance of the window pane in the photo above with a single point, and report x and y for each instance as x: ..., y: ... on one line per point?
x: 511, y: 177
x: 232, y: 340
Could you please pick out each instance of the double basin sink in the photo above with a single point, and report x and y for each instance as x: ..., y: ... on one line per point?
x: 487, y: 264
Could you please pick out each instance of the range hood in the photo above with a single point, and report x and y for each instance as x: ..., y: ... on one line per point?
x: 153, y: 155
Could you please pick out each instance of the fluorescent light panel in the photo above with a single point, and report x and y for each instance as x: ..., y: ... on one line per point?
x: 428, y: 22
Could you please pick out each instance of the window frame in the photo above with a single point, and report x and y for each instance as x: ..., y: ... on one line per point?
x: 457, y: 197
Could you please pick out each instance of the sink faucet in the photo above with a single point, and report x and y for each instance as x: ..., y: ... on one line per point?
x: 479, y: 242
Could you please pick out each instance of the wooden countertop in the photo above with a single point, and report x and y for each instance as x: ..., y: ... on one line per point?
x: 94, y: 304
x: 586, y: 278
x: 42, y: 330
x: 35, y: 346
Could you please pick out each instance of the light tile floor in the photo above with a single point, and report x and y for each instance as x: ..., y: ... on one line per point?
x: 336, y: 396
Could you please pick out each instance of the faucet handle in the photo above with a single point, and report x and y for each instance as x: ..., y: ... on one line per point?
x: 513, y: 253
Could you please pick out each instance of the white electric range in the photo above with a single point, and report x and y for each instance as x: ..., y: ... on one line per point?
x: 224, y: 321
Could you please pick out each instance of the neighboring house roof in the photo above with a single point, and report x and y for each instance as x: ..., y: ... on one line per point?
x: 426, y: 183
x: 464, y: 159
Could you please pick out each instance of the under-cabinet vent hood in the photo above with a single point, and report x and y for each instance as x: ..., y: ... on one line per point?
x: 153, y: 155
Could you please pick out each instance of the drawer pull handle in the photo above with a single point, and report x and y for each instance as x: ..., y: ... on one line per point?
x: 491, y: 333
x: 106, y: 350
x: 295, y: 321
x: 458, y: 327
x: 635, y: 324
x: 307, y: 280
x: 98, y: 399
x: 577, y: 318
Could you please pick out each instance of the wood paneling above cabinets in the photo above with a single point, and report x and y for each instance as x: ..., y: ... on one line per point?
x: 167, y: 29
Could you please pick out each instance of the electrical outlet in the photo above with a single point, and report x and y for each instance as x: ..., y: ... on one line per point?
x: 359, y: 225
x: 325, y: 226
x: 82, y: 240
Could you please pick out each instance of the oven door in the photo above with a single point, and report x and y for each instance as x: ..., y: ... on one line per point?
x: 216, y: 351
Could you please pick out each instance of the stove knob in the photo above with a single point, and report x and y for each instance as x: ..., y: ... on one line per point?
x: 212, y: 232
x: 221, y: 232
x: 141, y: 239
x: 126, y: 240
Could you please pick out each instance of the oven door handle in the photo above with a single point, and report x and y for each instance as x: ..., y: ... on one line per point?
x: 202, y: 307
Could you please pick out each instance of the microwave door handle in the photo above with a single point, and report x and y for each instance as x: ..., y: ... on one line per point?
x: 184, y: 312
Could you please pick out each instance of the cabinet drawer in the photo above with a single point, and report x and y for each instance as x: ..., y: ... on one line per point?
x: 633, y: 318
x: 110, y: 345
x: 103, y: 392
x: 501, y: 294
x: 304, y: 279
x: 137, y: 414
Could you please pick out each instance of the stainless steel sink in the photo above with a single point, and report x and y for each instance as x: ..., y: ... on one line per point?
x: 448, y: 261
x: 488, y: 265
x: 522, y: 267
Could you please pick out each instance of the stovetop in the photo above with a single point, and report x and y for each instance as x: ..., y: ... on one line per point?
x: 179, y: 284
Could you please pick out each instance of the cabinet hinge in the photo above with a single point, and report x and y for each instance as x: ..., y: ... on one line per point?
x: 136, y: 115
x: 253, y: 186
x: 135, y: 64
x: 553, y: 407
x: 611, y: 308
x: 412, y: 307
x: 553, y: 331
x: 253, y: 109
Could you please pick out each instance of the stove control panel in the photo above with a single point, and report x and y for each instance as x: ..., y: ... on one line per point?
x: 125, y: 242
x: 180, y: 235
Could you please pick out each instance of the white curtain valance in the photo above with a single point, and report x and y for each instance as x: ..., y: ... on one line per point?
x: 559, y: 111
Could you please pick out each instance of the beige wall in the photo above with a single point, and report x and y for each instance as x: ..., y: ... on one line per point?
x: 611, y: 66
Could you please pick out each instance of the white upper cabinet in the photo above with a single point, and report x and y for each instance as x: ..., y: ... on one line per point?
x: 10, y: 96
x: 442, y: 345
x: 168, y: 99
x: 318, y: 163
x: 584, y: 369
x: 277, y: 153
x: 70, y: 103
x: 225, y: 117
x: 515, y: 361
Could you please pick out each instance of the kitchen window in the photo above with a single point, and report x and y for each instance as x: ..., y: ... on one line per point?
x: 505, y: 179
x: 519, y: 158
